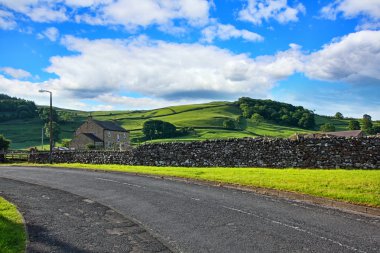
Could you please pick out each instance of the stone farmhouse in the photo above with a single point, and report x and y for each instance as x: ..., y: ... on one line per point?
x: 100, y: 134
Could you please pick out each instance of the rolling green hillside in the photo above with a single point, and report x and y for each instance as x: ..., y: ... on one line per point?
x: 207, y: 119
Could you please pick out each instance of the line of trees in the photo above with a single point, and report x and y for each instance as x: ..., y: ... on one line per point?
x: 367, y: 124
x: 277, y: 112
x: 15, y: 108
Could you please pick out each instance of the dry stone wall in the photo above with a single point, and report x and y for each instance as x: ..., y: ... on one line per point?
x: 362, y: 153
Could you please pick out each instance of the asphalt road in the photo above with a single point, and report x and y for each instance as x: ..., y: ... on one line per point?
x: 196, y: 218
x: 58, y: 221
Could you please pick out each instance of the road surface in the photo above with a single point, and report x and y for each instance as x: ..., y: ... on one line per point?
x: 197, y: 218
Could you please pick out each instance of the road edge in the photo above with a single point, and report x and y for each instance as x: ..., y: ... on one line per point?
x: 287, y: 195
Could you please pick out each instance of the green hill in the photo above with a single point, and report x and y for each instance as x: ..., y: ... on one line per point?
x: 207, y: 120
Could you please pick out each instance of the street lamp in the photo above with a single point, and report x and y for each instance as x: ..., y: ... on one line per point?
x: 51, y: 125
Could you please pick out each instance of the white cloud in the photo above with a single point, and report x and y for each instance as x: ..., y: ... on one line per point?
x: 38, y: 10
x: 131, y: 14
x: 226, y: 32
x: 352, y: 8
x: 167, y: 70
x: 136, y: 13
x: 368, y: 10
x: 7, y: 20
x: 16, y: 73
x: 86, y: 3
x: 368, y: 25
x: 139, y: 102
x: 51, y: 33
x: 257, y: 11
x: 354, y: 58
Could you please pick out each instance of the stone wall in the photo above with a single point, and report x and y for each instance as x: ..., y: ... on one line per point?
x: 363, y: 153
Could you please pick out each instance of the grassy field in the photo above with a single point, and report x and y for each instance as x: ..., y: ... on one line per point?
x: 12, y: 232
x: 353, y: 186
x: 207, y: 119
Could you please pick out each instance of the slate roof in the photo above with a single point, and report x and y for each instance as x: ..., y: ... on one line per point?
x: 352, y: 133
x: 346, y: 134
x: 92, y: 137
x: 109, y: 125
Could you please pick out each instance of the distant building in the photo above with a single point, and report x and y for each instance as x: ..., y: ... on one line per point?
x: 346, y: 134
x: 100, y: 134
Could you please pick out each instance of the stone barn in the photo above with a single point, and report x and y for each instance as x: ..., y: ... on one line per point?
x: 100, y: 134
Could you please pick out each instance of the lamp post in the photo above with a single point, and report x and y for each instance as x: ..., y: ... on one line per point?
x: 50, y: 125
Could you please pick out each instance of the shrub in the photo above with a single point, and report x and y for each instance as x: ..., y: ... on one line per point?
x: 328, y: 128
x: 90, y: 146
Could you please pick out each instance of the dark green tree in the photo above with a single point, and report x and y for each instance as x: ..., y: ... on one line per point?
x: 367, y: 123
x: 229, y: 124
x: 354, y: 125
x: 4, y: 143
x: 375, y: 129
x: 158, y: 129
x: 338, y: 115
x: 280, y: 113
x: 242, y: 122
x: 16, y: 108
x: 327, y: 127
x: 44, y: 114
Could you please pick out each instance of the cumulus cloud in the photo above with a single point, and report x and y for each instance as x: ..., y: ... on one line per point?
x: 7, y: 20
x: 226, y: 32
x: 15, y: 73
x: 38, y: 10
x: 368, y: 10
x: 139, y: 102
x: 50, y: 33
x: 352, y: 8
x: 135, y: 13
x: 167, y: 70
x: 354, y: 58
x: 257, y: 11
x: 131, y: 14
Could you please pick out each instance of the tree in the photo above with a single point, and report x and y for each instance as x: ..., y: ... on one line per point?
x: 338, y: 115
x: 280, y: 113
x: 367, y: 123
x: 44, y: 114
x: 242, y: 122
x: 4, y: 143
x: 157, y: 129
x: 354, y: 125
x: 65, y: 117
x: 307, y: 120
x: 375, y: 129
x: 56, y: 131
x: 229, y: 124
x: 257, y: 118
x: 328, y: 128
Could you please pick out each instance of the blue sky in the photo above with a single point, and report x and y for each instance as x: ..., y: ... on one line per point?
x: 141, y: 54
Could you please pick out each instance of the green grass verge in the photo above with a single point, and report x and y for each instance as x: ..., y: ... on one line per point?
x: 12, y: 232
x: 353, y: 186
